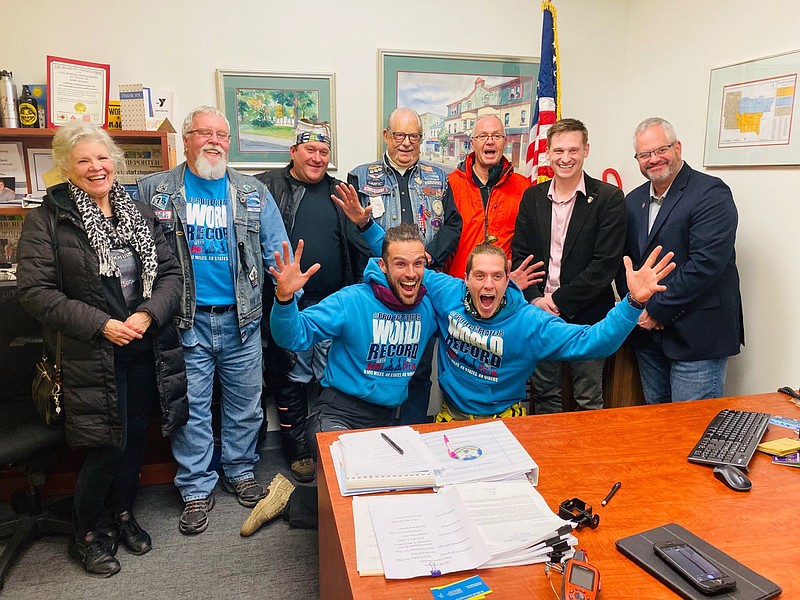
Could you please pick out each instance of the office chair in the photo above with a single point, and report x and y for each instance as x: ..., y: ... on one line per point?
x: 26, y: 445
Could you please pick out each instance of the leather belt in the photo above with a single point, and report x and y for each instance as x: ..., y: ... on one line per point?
x: 215, y: 310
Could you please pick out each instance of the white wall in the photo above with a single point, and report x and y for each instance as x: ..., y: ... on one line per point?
x: 670, y: 54
x: 622, y: 61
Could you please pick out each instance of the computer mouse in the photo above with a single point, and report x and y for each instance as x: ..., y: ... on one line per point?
x: 733, y: 477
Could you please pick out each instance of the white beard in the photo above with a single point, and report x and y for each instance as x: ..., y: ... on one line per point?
x: 209, y: 171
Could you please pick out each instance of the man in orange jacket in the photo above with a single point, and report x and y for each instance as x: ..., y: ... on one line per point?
x: 486, y: 192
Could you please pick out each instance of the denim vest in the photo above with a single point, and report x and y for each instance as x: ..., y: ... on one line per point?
x: 426, y: 185
x: 165, y: 194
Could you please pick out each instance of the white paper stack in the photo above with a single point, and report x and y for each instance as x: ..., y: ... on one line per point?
x: 482, y: 452
x: 372, y: 461
x: 462, y: 527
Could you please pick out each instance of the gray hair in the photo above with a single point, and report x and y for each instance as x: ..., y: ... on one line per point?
x: 669, y: 130
x: 202, y: 110
x: 403, y: 111
x: 75, y: 132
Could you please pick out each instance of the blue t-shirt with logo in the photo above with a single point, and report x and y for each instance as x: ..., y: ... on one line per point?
x: 209, y: 239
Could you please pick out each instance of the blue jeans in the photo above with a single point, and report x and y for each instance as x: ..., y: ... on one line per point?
x: 214, y: 344
x: 667, y: 380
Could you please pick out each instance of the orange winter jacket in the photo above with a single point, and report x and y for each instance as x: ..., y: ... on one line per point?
x: 497, y: 220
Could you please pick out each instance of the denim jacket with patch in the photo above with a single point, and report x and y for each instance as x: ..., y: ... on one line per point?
x: 254, y: 238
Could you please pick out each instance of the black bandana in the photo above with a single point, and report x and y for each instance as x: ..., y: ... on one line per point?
x: 469, y: 306
x: 131, y: 231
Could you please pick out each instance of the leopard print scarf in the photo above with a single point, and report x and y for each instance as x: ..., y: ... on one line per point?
x: 131, y: 230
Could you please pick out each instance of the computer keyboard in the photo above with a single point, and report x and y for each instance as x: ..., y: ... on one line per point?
x: 731, y: 438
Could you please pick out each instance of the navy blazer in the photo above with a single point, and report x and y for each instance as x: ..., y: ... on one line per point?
x: 593, y: 247
x: 701, y: 310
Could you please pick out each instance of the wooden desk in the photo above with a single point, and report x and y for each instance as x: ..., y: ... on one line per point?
x: 582, y: 455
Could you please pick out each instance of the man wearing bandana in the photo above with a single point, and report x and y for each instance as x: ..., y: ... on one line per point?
x: 224, y: 228
x: 303, y: 191
x: 576, y: 225
x: 401, y: 188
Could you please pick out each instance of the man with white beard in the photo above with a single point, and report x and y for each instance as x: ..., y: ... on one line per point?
x: 224, y: 227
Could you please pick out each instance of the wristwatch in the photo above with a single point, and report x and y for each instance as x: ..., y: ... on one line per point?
x: 635, y: 303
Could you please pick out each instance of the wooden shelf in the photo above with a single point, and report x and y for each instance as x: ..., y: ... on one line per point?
x: 42, y: 138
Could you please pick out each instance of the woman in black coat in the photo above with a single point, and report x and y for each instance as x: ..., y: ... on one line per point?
x: 95, y: 268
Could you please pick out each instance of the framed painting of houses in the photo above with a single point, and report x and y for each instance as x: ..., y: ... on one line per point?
x: 263, y: 109
x: 451, y: 91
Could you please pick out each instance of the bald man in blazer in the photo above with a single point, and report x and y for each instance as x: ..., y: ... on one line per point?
x: 686, y: 334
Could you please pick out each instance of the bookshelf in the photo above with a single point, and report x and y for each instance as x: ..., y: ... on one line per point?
x: 162, y: 141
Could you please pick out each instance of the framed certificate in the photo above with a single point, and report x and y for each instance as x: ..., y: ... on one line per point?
x: 77, y: 91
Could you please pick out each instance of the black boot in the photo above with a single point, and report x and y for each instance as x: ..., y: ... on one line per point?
x: 135, y: 539
x: 290, y: 400
x: 93, y: 554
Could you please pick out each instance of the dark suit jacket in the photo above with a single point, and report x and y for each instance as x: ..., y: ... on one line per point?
x: 701, y: 309
x: 592, y: 248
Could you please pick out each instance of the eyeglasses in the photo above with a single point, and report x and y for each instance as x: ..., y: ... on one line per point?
x: 207, y: 133
x: 661, y: 151
x: 400, y: 137
x: 482, y: 137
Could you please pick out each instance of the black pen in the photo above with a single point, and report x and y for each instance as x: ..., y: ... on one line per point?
x: 391, y: 443
x: 610, y: 494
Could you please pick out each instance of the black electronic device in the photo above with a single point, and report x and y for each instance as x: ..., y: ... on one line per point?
x: 581, y: 580
x: 693, y: 566
x: 730, y: 438
x: 733, y: 477
x: 577, y: 511
x: 789, y: 392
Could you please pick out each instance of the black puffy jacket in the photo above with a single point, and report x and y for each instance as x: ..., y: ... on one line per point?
x: 79, y: 310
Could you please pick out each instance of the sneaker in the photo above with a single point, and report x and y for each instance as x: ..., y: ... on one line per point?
x: 135, y: 539
x: 270, y: 507
x: 303, y: 469
x: 194, y: 518
x: 247, y: 490
x: 93, y: 554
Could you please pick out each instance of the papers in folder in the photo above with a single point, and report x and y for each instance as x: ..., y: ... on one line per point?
x: 366, y: 463
x: 483, y: 452
x: 465, y: 526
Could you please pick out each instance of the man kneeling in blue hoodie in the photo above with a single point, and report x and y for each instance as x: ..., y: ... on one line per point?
x: 378, y: 329
x: 491, y: 338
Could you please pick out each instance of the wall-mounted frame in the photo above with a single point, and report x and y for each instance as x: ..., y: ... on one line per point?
x: 263, y: 109
x: 752, y: 112
x: 450, y: 91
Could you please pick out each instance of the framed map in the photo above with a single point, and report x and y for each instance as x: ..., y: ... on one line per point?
x: 753, y: 113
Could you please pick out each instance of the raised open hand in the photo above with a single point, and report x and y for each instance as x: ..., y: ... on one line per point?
x: 288, y: 275
x: 347, y: 198
x: 526, y: 274
x: 644, y: 283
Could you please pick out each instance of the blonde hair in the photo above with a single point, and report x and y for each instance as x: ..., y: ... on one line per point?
x: 76, y: 132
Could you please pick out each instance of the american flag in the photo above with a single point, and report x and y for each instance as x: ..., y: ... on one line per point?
x: 548, y: 99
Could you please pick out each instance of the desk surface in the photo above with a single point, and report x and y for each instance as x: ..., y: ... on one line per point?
x: 582, y: 455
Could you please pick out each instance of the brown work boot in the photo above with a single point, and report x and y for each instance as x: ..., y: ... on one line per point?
x: 303, y: 469
x: 269, y: 507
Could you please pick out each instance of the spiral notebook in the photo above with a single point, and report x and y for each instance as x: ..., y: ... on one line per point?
x: 383, y: 459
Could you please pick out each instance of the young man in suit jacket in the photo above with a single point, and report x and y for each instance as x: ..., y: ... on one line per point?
x: 685, y: 335
x: 576, y: 225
